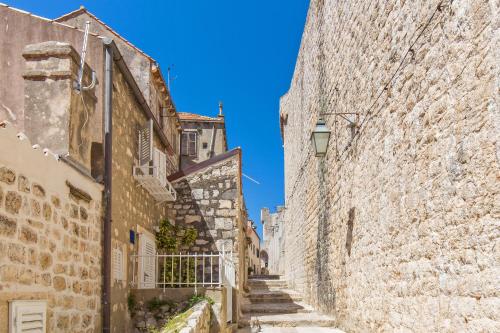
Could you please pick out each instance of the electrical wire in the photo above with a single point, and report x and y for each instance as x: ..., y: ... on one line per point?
x: 386, y: 86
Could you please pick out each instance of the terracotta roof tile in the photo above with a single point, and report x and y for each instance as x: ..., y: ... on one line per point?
x: 185, y: 116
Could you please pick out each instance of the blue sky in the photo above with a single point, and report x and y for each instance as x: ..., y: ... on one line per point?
x: 240, y: 52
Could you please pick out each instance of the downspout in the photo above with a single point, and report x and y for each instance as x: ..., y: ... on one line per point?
x: 108, y: 123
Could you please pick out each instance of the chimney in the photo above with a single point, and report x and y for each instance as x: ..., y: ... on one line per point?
x: 56, y: 115
x: 221, y: 106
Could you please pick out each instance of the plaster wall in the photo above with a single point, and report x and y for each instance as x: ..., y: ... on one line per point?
x: 20, y: 29
x: 205, y: 132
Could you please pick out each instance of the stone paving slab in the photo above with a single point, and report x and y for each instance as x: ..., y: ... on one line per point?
x: 292, y: 330
x: 291, y: 320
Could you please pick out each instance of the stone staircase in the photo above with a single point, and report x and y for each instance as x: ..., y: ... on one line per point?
x: 272, y: 305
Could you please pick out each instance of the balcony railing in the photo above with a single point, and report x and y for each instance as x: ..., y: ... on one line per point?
x: 205, y: 269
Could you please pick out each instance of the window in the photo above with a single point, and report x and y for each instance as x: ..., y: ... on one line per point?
x: 205, y: 145
x: 189, y: 143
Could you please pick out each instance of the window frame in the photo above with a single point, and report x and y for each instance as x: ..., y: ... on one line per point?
x: 187, y: 141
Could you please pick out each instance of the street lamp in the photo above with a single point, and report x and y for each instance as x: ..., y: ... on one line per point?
x: 320, y: 137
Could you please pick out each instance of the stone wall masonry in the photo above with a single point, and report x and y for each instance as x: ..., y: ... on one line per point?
x: 133, y: 207
x: 208, y: 200
x: 199, y: 320
x: 397, y: 228
x: 50, y: 237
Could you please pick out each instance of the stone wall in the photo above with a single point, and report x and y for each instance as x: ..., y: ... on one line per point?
x: 396, y: 228
x: 133, y: 208
x: 50, y: 237
x: 199, y: 320
x: 208, y: 200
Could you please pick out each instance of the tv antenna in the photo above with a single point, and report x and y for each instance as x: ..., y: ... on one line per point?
x: 170, y: 79
x: 78, y: 84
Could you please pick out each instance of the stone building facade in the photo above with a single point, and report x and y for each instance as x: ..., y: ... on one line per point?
x: 399, y: 222
x: 208, y: 198
x: 50, y: 237
x: 70, y: 125
x: 202, y: 137
x: 146, y: 73
x: 253, y: 263
x: 273, y: 239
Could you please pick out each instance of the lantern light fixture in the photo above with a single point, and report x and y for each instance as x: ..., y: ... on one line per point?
x: 320, y: 137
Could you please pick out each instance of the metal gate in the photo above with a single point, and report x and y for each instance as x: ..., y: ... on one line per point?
x: 229, y: 281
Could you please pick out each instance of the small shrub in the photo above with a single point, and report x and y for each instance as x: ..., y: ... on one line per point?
x: 156, y: 303
x: 131, y: 303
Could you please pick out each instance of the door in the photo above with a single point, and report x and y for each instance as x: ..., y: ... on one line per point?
x: 147, y: 262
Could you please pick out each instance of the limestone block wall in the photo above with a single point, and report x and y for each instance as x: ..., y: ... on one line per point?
x: 50, y: 237
x: 208, y: 200
x: 397, y: 228
x: 133, y: 207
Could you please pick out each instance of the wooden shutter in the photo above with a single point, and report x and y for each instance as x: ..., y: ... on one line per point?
x: 146, y: 143
x: 192, y: 144
x: 147, y: 262
x: 27, y: 316
x: 118, y: 264
x: 184, y: 144
x: 160, y: 164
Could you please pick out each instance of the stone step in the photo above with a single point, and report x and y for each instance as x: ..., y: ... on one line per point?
x: 274, y: 296
x: 275, y: 299
x: 264, y: 277
x: 277, y: 308
x: 307, y: 329
x: 288, y: 320
x: 267, y: 284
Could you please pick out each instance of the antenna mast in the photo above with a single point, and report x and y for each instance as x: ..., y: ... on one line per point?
x: 78, y: 84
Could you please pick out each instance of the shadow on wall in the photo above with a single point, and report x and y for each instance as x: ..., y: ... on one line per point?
x: 325, y: 292
x: 191, y: 213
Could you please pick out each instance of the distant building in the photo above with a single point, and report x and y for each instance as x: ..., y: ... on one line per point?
x: 202, y: 137
x: 273, y: 239
x: 253, y: 249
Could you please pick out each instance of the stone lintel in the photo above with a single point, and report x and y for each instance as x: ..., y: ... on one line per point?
x: 50, y: 49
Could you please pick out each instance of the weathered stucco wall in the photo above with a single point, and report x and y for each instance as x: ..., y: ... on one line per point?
x: 397, y: 228
x: 205, y: 135
x: 20, y: 29
x: 50, y: 237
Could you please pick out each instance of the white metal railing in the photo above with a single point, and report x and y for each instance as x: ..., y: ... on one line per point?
x: 155, y: 183
x: 206, y: 269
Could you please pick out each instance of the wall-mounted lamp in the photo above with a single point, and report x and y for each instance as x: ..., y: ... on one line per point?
x: 321, y: 134
x: 320, y: 137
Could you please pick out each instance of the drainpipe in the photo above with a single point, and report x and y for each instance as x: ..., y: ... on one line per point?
x: 108, y: 89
